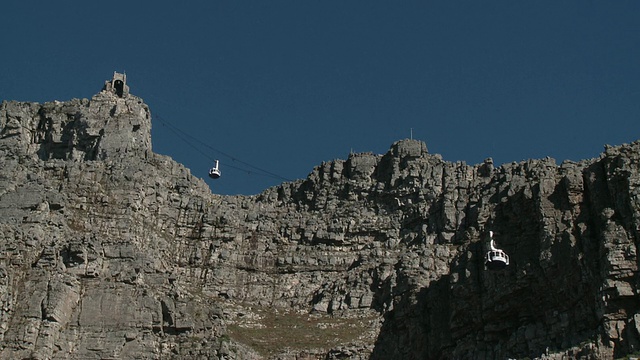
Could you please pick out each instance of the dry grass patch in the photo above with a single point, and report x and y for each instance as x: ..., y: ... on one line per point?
x: 271, y: 332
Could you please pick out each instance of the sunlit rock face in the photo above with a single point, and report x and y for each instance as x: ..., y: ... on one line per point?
x: 108, y: 250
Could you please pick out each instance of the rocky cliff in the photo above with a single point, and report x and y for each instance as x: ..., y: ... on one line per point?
x: 110, y: 251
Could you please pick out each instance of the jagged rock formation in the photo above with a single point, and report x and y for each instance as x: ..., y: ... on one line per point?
x: 108, y: 250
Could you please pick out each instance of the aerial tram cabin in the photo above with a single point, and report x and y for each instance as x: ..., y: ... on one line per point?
x: 214, y: 172
x: 495, y: 259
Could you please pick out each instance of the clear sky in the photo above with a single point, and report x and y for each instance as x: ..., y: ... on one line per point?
x: 284, y: 85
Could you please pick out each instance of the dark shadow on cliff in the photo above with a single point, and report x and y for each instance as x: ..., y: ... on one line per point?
x: 545, y: 300
x: 408, y: 331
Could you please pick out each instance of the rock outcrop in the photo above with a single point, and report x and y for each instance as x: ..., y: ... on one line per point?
x: 108, y: 250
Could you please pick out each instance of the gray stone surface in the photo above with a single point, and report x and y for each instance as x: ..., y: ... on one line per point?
x: 108, y: 250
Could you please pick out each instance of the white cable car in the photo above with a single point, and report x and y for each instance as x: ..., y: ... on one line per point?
x: 214, y: 172
x: 495, y: 259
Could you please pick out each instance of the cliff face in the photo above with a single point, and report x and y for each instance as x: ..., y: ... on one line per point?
x: 108, y: 250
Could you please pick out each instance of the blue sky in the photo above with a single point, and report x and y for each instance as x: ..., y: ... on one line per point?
x: 284, y: 85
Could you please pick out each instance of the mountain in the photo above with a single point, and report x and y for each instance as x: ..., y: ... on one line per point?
x: 110, y: 251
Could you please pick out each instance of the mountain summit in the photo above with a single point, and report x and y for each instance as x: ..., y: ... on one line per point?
x: 108, y: 250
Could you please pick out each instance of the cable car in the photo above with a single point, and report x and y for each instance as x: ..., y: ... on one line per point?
x: 214, y: 172
x: 495, y: 259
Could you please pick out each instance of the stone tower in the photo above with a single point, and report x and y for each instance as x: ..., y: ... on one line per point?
x: 117, y: 85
